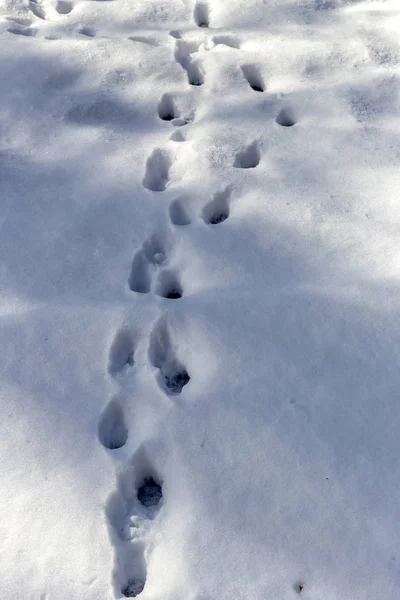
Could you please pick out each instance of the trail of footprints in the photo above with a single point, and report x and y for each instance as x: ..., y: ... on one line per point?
x: 133, y: 509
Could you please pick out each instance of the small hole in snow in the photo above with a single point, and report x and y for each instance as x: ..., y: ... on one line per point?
x: 150, y: 492
x: 133, y: 588
x: 218, y: 218
x: 175, y: 383
x: 173, y: 295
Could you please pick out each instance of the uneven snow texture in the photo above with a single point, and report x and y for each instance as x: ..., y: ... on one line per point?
x: 199, y: 299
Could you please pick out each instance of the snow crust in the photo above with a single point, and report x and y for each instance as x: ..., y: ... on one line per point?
x: 199, y: 297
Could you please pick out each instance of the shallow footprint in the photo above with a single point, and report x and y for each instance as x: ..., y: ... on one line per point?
x: 27, y: 31
x: 157, y: 170
x: 122, y: 352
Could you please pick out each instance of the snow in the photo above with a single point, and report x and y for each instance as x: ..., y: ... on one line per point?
x: 199, y: 292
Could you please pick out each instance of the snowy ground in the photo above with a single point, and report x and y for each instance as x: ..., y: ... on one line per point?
x: 244, y: 155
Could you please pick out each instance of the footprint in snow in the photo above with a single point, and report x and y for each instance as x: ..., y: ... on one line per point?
x: 64, y: 7
x: 217, y: 211
x: 227, y: 40
x: 253, y: 77
x: 172, y: 374
x: 201, y: 15
x: 286, y: 117
x: 157, y: 170
x: 113, y: 430
x: 183, y: 52
x: 248, y: 158
x: 168, y: 285
x: 130, y: 511
x: 179, y: 212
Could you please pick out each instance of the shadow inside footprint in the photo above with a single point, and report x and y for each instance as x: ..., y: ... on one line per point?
x: 166, y: 108
x: 27, y: 31
x: 286, y: 118
x: 113, y: 432
x: 121, y: 352
x: 183, y: 52
x: 169, y: 286
x: 133, y: 588
x: 157, y: 171
x: 173, y: 376
x: 179, y: 213
x: 150, y: 492
x: 254, y: 78
x: 248, y: 158
x: 200, y: 14
x: 63, y: 7
x: 139, y: 278
x: 217, y: 211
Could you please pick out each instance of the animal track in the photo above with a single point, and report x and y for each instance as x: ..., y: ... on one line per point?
x: 26, y: 31
x: 183, y: 57
x: 139, y: 278
x: 227, y: 40
x: 172, y: 376
x: 254, y: 78
x: 113, y: 431
x: 217, y: 210
x: 169, y: 286
x: 37, y: 9
x: 143, y: 40
x: 157, y: 171
x: 122, y: 352
x: 286, y: 117
x: 166, y: 108
x: 200, y: 14
x: 154, y: 250
x: 64, y: 7
x: 178, y: 212
x: 248, y: 158
x: 88, y: 31
x: 130, y: 511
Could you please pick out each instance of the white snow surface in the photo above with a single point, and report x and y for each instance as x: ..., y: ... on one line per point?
x: 136, y: 161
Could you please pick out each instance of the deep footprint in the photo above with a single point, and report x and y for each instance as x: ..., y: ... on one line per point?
x: 201, y: 16
x: 113, y: 431
x: 172, y: 376
x: 183, y: 57
x: 150, y: 492
x: 254, y: 78
x: 169, y: 286
x: 248, y: 158
x: 286, y: 118
x: 166, y: 108
x: 217, y: 211
x: 133, y: 588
